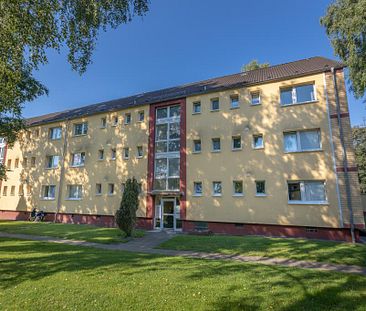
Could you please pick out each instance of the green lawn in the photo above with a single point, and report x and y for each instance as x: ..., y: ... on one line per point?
x: 44, y: 276
x: 68, y: 231
x: 322, y: 251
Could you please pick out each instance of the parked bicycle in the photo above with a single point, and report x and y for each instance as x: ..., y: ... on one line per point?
x: 36, y: 216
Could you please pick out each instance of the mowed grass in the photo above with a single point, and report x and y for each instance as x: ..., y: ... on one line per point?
x: 301, y: 249
x: 45, y: 276
x: 67, y: 231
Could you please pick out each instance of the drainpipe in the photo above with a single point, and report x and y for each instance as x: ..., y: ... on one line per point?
x: 62, y: 171
x: 344, y: 155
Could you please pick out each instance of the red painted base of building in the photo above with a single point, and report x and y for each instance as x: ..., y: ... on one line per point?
x: 335, y: 234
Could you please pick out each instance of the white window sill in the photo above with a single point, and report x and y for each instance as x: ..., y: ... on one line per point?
x: 217, y: 195
x: 47, y: 199
x: 53, y: 139
x: 197, y: 113
x: 296, y: 104
x: 79, y: 135
x: 255, y: 104
x: 260, y: 195
x: 139, y: 157
x: 308, y: 202
x: 305, y: 151
x: 51, y: 168
x: 77, y: 166
x: 111, y: 194
x: 196, y: 152
x: 258, y: 148
x: 238, y: 195
x: 236, y: 149
x: 197, y: 195
x: 113, y: 159
x: 73, y: 199
x: 233, y: 108
x: 215, y: 151
x: 214, y: 110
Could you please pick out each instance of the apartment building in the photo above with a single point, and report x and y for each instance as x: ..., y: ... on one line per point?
x: 267, y: 151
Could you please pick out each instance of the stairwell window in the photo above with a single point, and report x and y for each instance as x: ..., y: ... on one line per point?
x: 48, y: 192
x: 215, y: 104
x: 55, y: 133
x: 216, y: 145
x: 260, y: 188
x: 255, y: 98
x: 298, y: 141
x: 80, y: 129
x: 78, y: 159
x: 234, y: 99
x: 297, y: 94
x: 306, y: 192
x: 74, y: 192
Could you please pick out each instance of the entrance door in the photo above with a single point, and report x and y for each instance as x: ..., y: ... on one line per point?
x: 168, y: 216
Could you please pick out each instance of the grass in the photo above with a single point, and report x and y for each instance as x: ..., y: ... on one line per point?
x: 68, y: 231
x: 301, y: 249
x: 38, y: 276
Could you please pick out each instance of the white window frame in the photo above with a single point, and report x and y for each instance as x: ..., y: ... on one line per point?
x: 298, y: 141
x: 126, y: 157
x: 52, y: 157
x: 259, y: 98
x: 127, y: 118
x: 237, y: 194
x: 103, y: 123
x: 232, y: 97
x: 100, y: 153
x: 111, y: 186
x: 216, y: 194
x: 196, y: 104
x: 233, y: 138
x: 98, y: 193
x: 212, y: 144
x: 195, y: 193
x: 303, y: 193
x: 84, y: 129
x: 73, y: 156
x: 43, y: 189
x: 212, y: 100
x: 138, y: 155
x: 80, y: 192
x: 113, y: 154
x: 115, y: 121
x: 194, y: 146
x: 260, y: 194
x: 141, y: 113
x: 52, y: 129
x: 253, y: 142
x: 294, y: 94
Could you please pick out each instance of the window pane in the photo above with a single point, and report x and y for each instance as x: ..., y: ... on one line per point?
x: 173, y: 183
x: 174, y: 146
x: 197, y: 107
x: 234, y: 102
x: 161, y: 147
x: 238, y: 187
x: 215, y: 105
x: 217, y: 189
x: 258, y: 141
x: 310, y: 140
x: 174, y: 130
x: 161, y: 168
x: 294, y: 192
x: 216, y: 144
x: 174, y: 111
x: 236, y: 142
x: 255, y: 98
x: 314, y: 191
x: 161, y: 131
x: 305, y: 93
x: 260, y: 187
x: 198, y: 187
x: 290, y: 141
x: 174, y: 167
x: 160, y: 184
x: 286, y: 96
x: 161, y: 113
x: 197, y: 145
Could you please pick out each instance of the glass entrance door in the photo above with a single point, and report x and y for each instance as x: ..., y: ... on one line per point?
x: 167, y: 213
x: 168, y: 206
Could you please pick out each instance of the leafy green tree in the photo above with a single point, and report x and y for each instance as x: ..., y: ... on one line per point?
x: 252, y: 65
x: 345, y: 24
x: 359, y: 142
x: 126, y: 214
x: 28, y: 29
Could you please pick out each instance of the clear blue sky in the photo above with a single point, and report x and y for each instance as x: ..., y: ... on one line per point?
x: 182, y: 41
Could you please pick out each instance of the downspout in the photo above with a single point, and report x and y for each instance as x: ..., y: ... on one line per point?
x: 344, y: 155
x: 62, y: 171
x: 333, y: 153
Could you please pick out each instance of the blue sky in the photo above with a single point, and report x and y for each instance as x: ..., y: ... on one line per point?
x: 182, y: 41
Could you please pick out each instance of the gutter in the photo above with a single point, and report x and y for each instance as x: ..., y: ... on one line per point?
x: 333, y: 153
x: 62, y: 171
x: 344, y: 157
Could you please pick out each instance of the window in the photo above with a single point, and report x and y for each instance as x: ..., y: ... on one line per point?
x: 237, y: 188
x: 25, y: 162
x: 74, y: 192
x: 141, y: 116
x: 113, y: 154
x: 197, y: 188
x: 197, y: 146
x: 21, y: 190
x: 2, y: 149
x: 258, y: 141
x: 55, y: 133
x: 126, y: 153
x: 33, y: 162
x: 48, y: 192
x: 52, y: 161
x: 98, y: 189
x: 306, y: 192
x: 101, y: 154
x: 78, y: 159
x: 216, y: 144
x: 36, y: 133
x: 255, y: 98
x: 297, y: 94
x: 16, y: 163
x: 103, y: 123
x: 127, y: 118
x: 8, y: 166
x: 236, y: 142
x: 5, y: 191
x: 110, y: 189
x: 215, y: 104
x: 196, y: 107
x: 139, y: 152
x: 260, y: 187
x: 234, y: 101
x: 12, y: 191
x: 80, y: 129
x: 216, y: 188
x: 298, y: 141
x: 115, y: 121
x: 29, y: 190
x: 167, y: 172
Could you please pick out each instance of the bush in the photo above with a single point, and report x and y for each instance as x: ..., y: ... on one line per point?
x: 126, y: 214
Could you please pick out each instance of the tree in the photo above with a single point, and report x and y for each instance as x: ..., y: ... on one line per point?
x: 252, y: 65
x: 359, y: 142
x: 29, y: 28
x: 126, y: 214
x: 345, y: 24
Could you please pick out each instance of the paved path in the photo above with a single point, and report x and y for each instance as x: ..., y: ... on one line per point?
x: 152, y: 239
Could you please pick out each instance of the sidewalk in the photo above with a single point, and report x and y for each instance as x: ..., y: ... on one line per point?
x: 152, y: 239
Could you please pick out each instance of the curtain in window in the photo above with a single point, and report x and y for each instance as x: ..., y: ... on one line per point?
x: 309, y: 140
x: 290, y: 142
x: 314, y: 191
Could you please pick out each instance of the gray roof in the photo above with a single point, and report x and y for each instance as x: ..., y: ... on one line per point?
x: 278, y: 72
